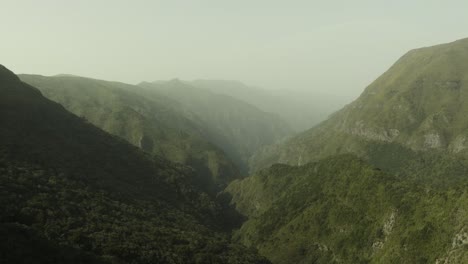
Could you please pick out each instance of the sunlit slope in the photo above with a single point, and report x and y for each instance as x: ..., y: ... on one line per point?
x: 342, y: 210
x: 420, y: 103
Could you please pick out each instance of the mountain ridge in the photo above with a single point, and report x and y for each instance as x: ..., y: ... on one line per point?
x: 78, y: 190
x: 302, y: 109
x: 153, y: 124
x: 237, y: 126
x: 418, y: 102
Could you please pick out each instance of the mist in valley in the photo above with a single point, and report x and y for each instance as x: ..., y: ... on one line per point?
x: 269, y: 132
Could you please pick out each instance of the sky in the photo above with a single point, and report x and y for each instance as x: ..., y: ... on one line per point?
x: 326, y: 47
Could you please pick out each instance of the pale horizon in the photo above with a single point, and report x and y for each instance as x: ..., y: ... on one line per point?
x: 326, y: 48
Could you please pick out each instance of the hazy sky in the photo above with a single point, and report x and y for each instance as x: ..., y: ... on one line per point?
x: 335, y: 47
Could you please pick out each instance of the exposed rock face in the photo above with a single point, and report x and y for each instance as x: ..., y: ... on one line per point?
x: 387, y: 230
x: 457, y: 253
x: 370, y: 133
x: 388, y: 226
x: 367, y: 132
x: 458, y: 144
x: 460, y: 239
x: 432, y: 140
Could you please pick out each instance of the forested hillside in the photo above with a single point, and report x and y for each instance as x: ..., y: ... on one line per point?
x: 342, y: 210
x: 96, y: 197
x: 420, y: 103
x: 236, y: 126
x: 403, y: 200
x: 384, y: 180
x: 153, y: 124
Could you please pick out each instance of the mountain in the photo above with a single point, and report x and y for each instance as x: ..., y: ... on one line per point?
x: 236, y: 126
x: 302, y: 109
x: 67, y: 188
x: 383, y: 180
x: 342, y: 210
x: 418, y: 105
x: 155, y: 125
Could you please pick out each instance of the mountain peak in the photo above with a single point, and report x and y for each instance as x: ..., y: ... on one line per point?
x: 7, y: 75
x: 66, y: 75
x: 420, y: 103
x: 176, y: 81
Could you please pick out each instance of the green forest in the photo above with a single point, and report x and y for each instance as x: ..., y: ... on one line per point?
x: 217, y: 171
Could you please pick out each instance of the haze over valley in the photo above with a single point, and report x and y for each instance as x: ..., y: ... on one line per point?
x: 246, y: 132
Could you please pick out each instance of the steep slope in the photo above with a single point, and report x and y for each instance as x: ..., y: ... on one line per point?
x: 420, y: 103
x: 238, y: 127
x: 341, y: 210
x: 155, y: 124
x: 22, y: 245
x: 302, y: 109
x: 66, y: 182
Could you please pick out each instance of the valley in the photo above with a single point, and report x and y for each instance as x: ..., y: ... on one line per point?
x: 204, y: 171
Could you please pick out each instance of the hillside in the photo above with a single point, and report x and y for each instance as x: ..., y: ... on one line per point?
x: 155, y: 124
x: 77, y: 191
x: 302, y: 109
x: 237, y: 127
x: 420, y: 104
x: 341, y: 210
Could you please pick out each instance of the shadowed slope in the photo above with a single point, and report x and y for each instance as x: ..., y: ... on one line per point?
x: 78, y: 187
x: 155, y: 124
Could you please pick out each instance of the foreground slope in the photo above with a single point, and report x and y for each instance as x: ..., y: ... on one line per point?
x: 341, y: 210
x: 420, y: 104
x: 69, y: 189
x: 236, y: 126
x: 155, y: 124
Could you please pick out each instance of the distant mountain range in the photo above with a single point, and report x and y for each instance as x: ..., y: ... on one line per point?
x: 156, y: 125
x: 302, y: 109
x: 237, y: 127
x: 214, y: 134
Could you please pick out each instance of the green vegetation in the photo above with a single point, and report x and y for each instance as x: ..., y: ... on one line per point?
x: 237, y: 127
x: 384, y: 180
x: 69, y: 189
x: 153, y: 124
x: 410, y: 127
x: 341, y: 210
x: 419, y: 103
x: 22, y: 245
